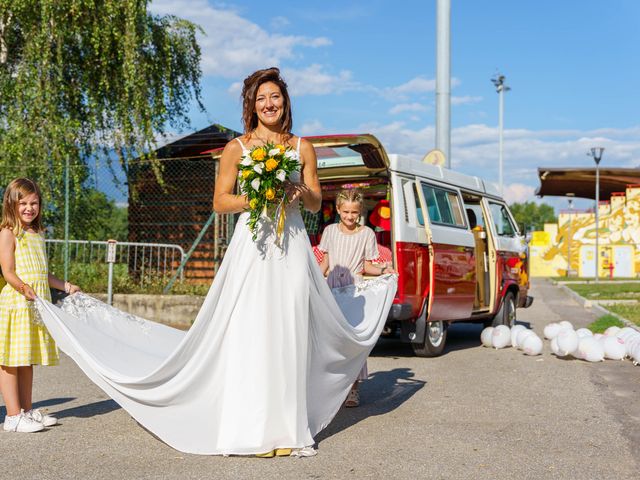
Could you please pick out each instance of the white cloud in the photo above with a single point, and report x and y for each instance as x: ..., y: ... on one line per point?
x: 278, y: 23
x: 416, y: 85
x: 475, y: 151
x: 518, y: 192
x: 234, y: 46
x: 465, y: 100
x: 313, y: 127
x: 315, y: 80
x: 407, y: 107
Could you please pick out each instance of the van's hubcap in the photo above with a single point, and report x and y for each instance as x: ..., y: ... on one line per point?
x: 436, y: 333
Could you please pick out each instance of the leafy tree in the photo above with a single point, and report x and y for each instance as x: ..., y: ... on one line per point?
x: 95, y: 217
x: 532, y: 216
x: 80, y: 79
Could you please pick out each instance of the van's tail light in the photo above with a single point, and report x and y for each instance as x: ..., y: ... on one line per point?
x: 413, y: 274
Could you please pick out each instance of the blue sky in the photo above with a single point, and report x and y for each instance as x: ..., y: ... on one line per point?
x: 369, y: 66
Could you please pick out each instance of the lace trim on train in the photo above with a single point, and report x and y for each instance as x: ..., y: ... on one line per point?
x: 376, y: 283
x: 81, y: 306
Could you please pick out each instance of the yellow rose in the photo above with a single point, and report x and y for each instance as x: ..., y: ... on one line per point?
x: 281, y: 148
x: 270, y: 194
x: 271, y: 164
x: 253, y: 203
x: 258, y: 154
x: 245, y: 174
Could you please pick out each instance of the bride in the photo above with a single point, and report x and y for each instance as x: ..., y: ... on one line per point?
x: 273, y: 351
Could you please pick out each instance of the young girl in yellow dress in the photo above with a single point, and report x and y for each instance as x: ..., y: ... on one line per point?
x: 24, y: 341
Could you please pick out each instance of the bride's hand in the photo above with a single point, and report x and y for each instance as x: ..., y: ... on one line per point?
x: 294, y: 190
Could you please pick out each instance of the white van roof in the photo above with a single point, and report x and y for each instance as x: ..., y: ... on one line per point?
x: 407, y: 165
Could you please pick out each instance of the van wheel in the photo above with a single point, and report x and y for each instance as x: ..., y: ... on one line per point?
x: 507, y: 313
x: 434, y: 340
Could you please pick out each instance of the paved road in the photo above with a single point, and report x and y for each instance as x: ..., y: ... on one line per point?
x: 473, y: 413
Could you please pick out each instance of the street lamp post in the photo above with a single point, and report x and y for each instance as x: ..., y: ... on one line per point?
x: 501, y: 87
x: 596, y: 153
x: 569, y: 239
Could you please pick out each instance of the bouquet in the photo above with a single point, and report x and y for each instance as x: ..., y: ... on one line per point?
x: 262, y: 174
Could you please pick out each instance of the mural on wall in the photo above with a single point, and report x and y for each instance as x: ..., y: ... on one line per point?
x: 568, y: 247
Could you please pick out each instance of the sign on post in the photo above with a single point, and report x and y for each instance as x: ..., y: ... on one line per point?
x: 111, y: 259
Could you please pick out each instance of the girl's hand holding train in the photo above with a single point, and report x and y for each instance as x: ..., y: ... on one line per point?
x: 26, y: 290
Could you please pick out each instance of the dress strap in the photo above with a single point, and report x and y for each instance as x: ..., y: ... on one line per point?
x: 241, y: 144
x: 298, y: 147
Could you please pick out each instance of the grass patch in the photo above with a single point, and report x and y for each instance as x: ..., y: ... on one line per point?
x: 590, y: 279
x: 604, y: 322
x: 630, y: 312
x: 611, y: 291
x: 93, y: 277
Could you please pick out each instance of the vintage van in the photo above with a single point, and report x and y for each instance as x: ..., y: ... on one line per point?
x: 452, y: 238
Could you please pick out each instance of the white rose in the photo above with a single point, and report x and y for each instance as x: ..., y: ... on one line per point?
x: 255, y: 183
x: 274, y: 151
x: 291, y: 154
x: 281, y: 175
x: 246, y: 160
x: 258, y: 167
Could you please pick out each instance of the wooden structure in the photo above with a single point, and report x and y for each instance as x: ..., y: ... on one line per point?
x: 170, y: 199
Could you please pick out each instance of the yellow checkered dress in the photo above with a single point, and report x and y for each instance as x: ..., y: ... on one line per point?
x: 23, y: 340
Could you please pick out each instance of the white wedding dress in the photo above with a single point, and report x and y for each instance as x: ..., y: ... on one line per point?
x: 266, y: 364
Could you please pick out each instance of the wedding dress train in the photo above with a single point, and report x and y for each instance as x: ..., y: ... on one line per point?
x: 266, y: 364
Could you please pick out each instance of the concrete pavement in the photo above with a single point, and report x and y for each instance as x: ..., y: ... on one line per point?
x: 472, y: 413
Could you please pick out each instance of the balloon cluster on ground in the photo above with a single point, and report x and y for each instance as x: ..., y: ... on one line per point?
x: 615, y: 344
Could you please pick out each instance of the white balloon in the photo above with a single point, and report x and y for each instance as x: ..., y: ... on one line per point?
x: 554, y: 346
x: 584, y: 332
x: 591, y: 350
x: 630, y: 344
x: 521, y: 336
x: 532, y: 345
x: 611, y: 331
x: 635, y: 354
x: 614, y: 348
x: 551, y: 330
x: 514, y: 334
x: 500, y: 337
x: 567, y: 342
x: 485, y: 337
x: 566, y: 324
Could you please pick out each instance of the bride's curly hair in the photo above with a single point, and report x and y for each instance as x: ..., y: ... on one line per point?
x: 249, y: 93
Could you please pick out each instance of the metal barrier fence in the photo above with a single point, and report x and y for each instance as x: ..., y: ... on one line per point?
x: 163, y: 204
x: 145, y: 261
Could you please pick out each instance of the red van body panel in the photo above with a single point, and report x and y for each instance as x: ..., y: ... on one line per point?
x: 454, y: 283
x: 413, y: 275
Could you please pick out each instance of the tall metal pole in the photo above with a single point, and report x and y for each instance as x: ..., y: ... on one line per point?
x: 66, y: 218
x: 501, y: 87
x: 569, y: 238
x: 500, y: 130
x: 597, y: 222
x: 596, y: 153
x: 443, y: 79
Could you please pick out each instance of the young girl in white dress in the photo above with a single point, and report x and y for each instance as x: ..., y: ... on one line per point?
x: 349, y: 250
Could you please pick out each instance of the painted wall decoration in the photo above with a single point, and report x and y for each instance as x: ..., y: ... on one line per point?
x: 568, y: 247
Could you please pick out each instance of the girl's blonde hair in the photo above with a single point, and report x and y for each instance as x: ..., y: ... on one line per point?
x: 351, y: 195
x: 16, y: 191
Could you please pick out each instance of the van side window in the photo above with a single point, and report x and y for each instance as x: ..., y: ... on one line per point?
x: 502, y: 220
x: 418, y: 206
x: 443, y: 205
